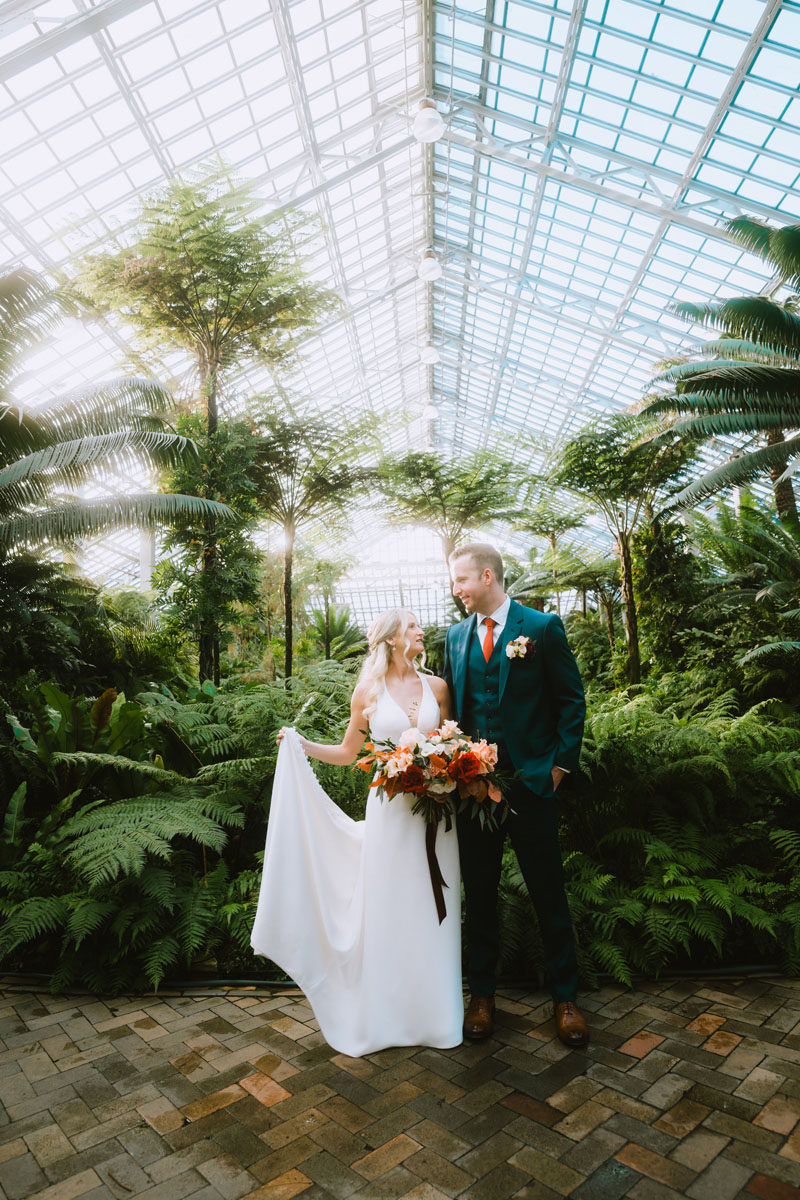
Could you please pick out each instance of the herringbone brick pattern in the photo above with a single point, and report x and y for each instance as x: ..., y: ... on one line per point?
x: 686, y: 1089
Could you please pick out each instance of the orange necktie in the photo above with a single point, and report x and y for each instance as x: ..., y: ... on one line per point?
x: 488, y: 642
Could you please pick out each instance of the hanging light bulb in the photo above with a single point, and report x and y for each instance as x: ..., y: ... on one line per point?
x: 428, y: 124
x: 429, y: 354
x: 429, y: 267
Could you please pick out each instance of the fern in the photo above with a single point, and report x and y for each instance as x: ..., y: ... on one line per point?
x: 86, y: 917
x: 30, y: 919
x: 117, y: 839
x: 160, y: 956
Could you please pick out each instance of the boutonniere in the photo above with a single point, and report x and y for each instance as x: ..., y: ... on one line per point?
x: 521, y: 647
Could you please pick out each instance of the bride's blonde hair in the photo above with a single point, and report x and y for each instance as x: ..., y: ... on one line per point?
x: 391, y: 624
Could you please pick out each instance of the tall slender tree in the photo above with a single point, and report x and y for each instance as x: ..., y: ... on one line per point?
x: 546, y: 520
x: 306, y: 470
x: 453, y: 497
x: 622, y: 473
x: 205, y: 271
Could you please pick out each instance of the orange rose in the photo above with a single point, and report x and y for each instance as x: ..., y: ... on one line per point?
x: 487, y: 753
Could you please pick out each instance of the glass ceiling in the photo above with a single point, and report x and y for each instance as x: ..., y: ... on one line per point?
x: 591, y: 154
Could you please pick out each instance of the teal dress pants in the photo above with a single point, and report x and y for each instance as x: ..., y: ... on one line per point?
x: 532, y: 827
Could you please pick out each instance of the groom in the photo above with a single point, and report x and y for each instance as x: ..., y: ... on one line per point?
x: 532, y: 705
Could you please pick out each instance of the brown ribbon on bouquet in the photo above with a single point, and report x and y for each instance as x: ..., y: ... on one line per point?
x: 437, y: 879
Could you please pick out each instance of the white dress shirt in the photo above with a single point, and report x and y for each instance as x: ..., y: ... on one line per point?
x: 499, y: 616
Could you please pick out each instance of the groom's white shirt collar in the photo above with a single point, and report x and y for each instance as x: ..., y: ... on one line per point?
x: 499, y: 616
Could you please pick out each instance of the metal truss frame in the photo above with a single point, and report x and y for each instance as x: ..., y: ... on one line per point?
x: 563, y: 237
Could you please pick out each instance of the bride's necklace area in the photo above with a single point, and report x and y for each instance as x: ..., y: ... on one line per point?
x: 411, y: 710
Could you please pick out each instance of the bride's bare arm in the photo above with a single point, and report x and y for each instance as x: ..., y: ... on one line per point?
x: 347, y: 750
x: 442, y: 693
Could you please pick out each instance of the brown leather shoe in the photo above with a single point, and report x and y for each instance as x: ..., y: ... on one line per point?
x: 570, y: 1024
x: 478, y: 1018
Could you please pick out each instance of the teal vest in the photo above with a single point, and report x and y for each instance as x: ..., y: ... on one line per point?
x: 481, y: 715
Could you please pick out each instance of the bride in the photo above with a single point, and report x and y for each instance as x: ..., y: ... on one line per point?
x: 346, y: 907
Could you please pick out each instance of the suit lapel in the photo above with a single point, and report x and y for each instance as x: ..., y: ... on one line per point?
x: 466, y: 631
x: 511, y: 629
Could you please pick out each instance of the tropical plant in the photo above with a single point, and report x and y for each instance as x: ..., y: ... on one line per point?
x: 623, y: 474
x: 668, y: 578
x: 325, y: 574
x: 756, y: 579
x: 601, y: 577
x: 333, y: 630
x: 193, y: 600
x: 588, y: 639
x: 41, y: 605
x: 46, y: 455
x: 100, y: 876
x: 748, y: 381
x: 305, y: 470
x: 454, y: 497
x: 547, y: 520
x: 208, y: 273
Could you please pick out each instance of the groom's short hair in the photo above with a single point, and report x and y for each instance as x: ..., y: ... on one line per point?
x: 483, y: 555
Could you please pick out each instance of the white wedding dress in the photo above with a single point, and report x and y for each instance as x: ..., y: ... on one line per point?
x: 347, y: 909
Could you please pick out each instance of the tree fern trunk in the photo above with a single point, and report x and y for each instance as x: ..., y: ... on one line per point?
x: 633, y: 666
x: 208, y: 641
x: 785, y: 501
x: 327, y: 626
x: 205, y: 650
x: 608, y: 608
x: 288, y: 559
x: 555, y: 573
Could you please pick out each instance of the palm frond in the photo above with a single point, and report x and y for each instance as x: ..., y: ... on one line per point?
x: 29, y: 309
x: 65, y: 522
x: 751, y: 234
x: 739, y: 470
x: 69, y: 463
x: 769, y: 649
x: 123, y: 402
x: 754, y: 318
x: 720, y: 424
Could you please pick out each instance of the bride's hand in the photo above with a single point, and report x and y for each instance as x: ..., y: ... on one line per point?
x: 304, y: 742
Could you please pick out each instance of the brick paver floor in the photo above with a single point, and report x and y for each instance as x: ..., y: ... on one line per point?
x: 688, y: 1088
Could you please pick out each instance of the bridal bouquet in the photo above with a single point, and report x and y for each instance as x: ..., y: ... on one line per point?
x: 441, y: 769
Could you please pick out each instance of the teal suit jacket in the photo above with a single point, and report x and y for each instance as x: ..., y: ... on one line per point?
x: 542, y: 704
